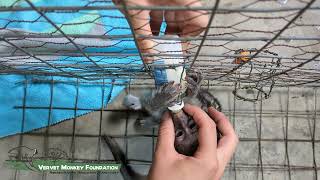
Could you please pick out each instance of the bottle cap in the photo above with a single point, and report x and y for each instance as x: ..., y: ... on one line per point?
x: 177, y: 107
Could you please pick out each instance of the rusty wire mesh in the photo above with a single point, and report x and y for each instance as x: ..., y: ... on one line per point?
x: 289, y: 32
x: 259, y: 46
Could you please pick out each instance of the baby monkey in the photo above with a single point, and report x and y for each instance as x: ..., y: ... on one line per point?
x: 169, y: 94
x: 186, y: 131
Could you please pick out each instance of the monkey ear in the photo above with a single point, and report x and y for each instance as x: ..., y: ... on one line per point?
x: 132, y: 102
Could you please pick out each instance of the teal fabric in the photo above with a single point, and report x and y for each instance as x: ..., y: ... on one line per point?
x: 14, y: 94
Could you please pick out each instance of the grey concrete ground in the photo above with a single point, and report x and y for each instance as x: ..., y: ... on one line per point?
x: 246, y: 117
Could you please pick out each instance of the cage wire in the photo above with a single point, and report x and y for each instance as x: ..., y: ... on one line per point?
x: 252, y: 47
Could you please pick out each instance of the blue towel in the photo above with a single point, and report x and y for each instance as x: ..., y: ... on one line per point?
x: 13, y: 92
x: 38, y: 95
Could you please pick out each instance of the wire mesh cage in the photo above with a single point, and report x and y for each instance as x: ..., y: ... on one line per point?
x: 260, y: 58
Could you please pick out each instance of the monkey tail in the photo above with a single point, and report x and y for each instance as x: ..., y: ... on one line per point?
x: 127, y: 172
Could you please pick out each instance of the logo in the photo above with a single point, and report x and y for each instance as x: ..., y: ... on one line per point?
x: 54, y: 161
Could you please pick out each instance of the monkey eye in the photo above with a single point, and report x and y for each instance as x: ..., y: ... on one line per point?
x: 192, y: 125
x: 179, y: 133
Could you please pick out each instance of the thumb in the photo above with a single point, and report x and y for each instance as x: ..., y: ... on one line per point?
x: 166, y: 135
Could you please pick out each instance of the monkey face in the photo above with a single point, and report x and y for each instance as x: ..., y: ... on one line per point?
x: 186, y: 133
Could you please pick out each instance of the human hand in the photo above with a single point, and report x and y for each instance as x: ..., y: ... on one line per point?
x: 210, y: 159
x: 148, y: 23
